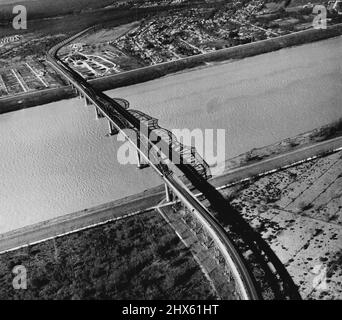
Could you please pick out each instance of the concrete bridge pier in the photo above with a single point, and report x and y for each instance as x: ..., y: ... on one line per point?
x: 140, y: 162
x: 86, y: 102
x: 112, y: 130
x: 99, y: 114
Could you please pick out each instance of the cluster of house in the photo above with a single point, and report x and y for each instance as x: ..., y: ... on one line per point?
x: 176, y: 35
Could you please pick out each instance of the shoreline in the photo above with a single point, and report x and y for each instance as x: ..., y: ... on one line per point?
x: 145, y: 74
x: 302, y: 140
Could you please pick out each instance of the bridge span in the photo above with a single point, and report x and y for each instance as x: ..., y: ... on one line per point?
x: 159, y: 155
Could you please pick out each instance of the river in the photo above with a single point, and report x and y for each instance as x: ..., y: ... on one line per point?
x: 57, y: 159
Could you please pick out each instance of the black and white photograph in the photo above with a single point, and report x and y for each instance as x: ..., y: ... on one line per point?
x: 170, y: 155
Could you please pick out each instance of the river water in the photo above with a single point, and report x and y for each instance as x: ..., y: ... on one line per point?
x: 56, y: 159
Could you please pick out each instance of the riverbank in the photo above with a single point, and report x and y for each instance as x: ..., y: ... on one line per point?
x: 307, y: 139
x: 160, y: 70
x: 207, y: 59
x: 81, y: 220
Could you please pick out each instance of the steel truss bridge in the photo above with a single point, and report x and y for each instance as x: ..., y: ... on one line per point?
x: 153, y: 153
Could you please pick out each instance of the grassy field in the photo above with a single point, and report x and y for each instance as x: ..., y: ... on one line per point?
x: 51, y: 8
x: 136, y: 258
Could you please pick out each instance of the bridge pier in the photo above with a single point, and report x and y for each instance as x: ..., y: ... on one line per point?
x: 140, y: 162
x: 99, y: 114
x: 112, y: 130
x: 86, y: 102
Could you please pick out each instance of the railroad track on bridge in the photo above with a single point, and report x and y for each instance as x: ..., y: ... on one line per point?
x: 234, y: 249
